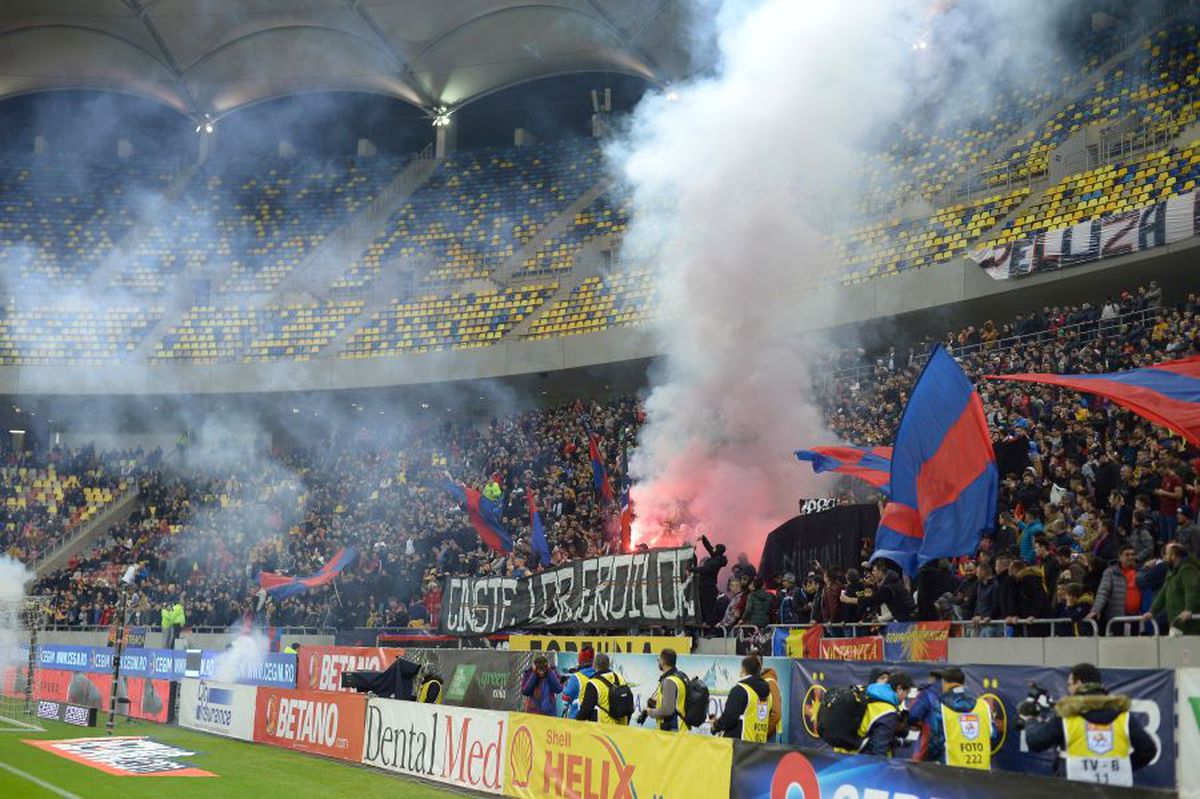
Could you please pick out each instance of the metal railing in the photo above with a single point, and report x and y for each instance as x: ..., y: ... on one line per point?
x: 1140, y: 621
x: 875, y: 627
x: 1093, y: 328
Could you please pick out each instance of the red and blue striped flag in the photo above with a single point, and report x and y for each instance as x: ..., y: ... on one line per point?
x: 600, y: 482
x: 484, y: 516
x: 944, y: 477
x: 281, y: 587
x: 1167, y: 394
x: 871, y: 464
x: 537, y: 539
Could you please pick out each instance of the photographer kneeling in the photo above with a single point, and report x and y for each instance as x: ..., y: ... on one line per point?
x: 1099, y: 740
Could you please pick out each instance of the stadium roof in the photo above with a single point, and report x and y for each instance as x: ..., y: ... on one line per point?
x: 214, y: 56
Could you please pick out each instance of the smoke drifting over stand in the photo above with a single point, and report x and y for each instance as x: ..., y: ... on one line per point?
x: 736, y: 181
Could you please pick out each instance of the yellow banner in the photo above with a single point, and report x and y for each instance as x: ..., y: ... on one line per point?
x: 639, y: 644
x: 553, y: 758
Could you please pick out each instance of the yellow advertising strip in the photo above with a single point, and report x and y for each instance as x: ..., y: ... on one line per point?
x: 638, y: 644
x: 553, y: 758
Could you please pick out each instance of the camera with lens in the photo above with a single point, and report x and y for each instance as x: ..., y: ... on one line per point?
x: 1038, y: 705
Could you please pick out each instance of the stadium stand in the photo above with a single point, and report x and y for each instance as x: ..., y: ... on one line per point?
x: 598, y: 303
x: 1109, y: 189
x: 605, y: 216
x: 60, y: 218
x: 457, y: 321
x: 257, y: 219
x: 73, y: 337
x: 477, y: 208
x: 297, y: 331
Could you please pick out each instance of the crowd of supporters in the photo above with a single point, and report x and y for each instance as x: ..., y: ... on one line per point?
x: 1090, y: 497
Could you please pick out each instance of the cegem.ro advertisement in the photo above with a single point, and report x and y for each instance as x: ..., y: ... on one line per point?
x: 452, y: 745
x: 552, y: 758
x: 147, y: 698
x: 222, y: 708
x: 311, y: 721
x: 319, y: 668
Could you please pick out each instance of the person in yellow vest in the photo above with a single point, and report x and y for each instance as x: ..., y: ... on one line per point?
x: 430, y: 690
x: 747, y: 713
x: 1098, y: 739
x: 957, y: 729
x: 667, y: 705
x: 878, y: 730
x: 600, y: 700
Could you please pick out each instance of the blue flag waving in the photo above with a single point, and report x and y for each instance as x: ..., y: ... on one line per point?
x: 944, y: 478
x: 537, y: 541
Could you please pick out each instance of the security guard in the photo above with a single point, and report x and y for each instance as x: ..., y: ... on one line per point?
x: 667, y: 705
x: 747, y: 713
x: 960, y: 728
x: 1098, y: 739
x: 595, y: 702
x: 430, y: 692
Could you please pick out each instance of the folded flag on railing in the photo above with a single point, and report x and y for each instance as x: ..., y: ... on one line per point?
x: 280, y: 586
x: 872, y: 464
x: 484, y: 515
x: 944, y: 478
x: 1167, y: 393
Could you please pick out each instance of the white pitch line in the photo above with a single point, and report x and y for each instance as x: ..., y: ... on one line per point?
x: 40, y: 782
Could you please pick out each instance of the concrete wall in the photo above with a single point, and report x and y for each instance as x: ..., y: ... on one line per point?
x: 1130, y: 653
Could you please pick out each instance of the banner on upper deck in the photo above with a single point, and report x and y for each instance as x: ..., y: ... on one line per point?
x: 651, y: 589
x: 643, y: 644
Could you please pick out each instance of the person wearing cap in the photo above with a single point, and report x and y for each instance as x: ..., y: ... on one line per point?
x: 1188, y: 532
x: 577, y: 682
x: 957, y: 728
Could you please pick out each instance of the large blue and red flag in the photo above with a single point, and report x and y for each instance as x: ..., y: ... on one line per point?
x: 484, y: 516
x: 871, y: 464
x: 944, y: 477
x: 537, y: 539
x: 600, y: 482
x: 1167, y: 394
x: 280, y: 586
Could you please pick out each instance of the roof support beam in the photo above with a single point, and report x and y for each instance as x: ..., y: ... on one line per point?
x: 404, y: 69
x: 625, y: 36
x: 142, y: 13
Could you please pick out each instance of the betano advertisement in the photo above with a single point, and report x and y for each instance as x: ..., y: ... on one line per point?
x: 452, y: 745
x: 552, y: 758
x: 719, y: 673
x: 318, y: 722
x: 222, y: 708
x: 643, y: 644
x: 319, y: 668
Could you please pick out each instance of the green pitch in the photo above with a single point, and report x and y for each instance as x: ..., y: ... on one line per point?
x: 242, y: 769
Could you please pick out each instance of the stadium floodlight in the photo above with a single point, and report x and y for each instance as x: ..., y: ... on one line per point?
x: 17, y: 432
x: 920, y: 44
x: 672, y: 95
x: 441, y: 116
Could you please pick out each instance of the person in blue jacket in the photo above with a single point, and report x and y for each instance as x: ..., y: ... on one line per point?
x: 573, y: 690
x: 926, y: 712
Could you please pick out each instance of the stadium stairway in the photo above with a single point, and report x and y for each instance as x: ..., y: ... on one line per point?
x: 588, y: 263
x: 116, y: 512
x: 325, y: 264
x: 101, y: 279
x: 510, y: 270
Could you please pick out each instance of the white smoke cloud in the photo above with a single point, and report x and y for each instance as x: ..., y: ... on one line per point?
x: 246, y: 652
x: 736, y: 180
x: 14, y: 578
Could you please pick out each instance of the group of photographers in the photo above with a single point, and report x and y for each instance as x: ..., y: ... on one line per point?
x: 1097, y: 738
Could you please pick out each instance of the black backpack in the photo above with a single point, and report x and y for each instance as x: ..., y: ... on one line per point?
x: 840, y: 715
x: 695, y: 702
x: 620, y: 700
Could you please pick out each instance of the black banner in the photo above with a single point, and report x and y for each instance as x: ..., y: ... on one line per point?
x: 485, y: 679
x: 832, y: 537
x: 650, y: 589
x: 762, y: 770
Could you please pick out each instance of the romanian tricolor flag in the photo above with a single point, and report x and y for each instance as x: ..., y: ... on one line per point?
x: 1167, y: 394
x: 282, y: 587
x: 600, y: 482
